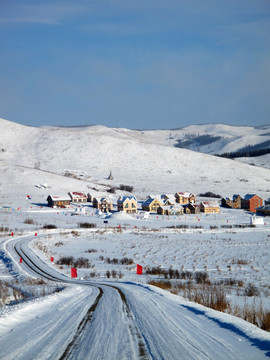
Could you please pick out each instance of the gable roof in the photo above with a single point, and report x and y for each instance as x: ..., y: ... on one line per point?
x: 209, y: 203
x: 122, y: 199
x: 77, y: 194
x: 100, y: 199
x: 171, y: 207
x: 148, y: 201
x: 185, y: 194
x: 59, y: 197
x: 235, y: 196
x: 249, y: 196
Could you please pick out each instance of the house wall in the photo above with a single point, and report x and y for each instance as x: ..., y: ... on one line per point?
x: 252, y: 204
x: 210, y: 210
x: 128, y: 206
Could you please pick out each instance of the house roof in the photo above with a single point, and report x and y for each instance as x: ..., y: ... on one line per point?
x: 194, y: 205
x: 77, y: 194
x: 163, y: 198
x: 265, y: 207
x: 185, y: 194
x: 249, y: 196
x: 59, y: 197
x: 210, y: 203
x: 122, y: 199
x: 148, y: 202
x: 171, y: 207
x: 169, y: 197
x: 100, y: 199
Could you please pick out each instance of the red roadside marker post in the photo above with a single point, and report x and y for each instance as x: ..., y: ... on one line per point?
x: 139, y: 269
x: 74, y: 272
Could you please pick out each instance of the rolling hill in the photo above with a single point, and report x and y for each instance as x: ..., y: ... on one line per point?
x: 150, y: 161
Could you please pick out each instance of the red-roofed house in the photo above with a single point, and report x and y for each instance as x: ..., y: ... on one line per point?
x: 77, y: 196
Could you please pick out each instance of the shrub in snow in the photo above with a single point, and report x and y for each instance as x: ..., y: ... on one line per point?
x: 29, y: 221
x: 49, y: 226
x: 251, y: 290
x: 210, y: 194
x: 126, y: 188
x: 86, y: 225
x: 65, y: 260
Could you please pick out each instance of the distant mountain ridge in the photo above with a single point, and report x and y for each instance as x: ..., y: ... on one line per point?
x: 148, y: 160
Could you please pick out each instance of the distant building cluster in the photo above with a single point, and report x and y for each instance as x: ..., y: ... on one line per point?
x: 250, y: 202
x: 164, y: 204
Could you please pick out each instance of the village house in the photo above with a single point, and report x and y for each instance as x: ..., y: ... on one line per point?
x: 58, y: 201
x: 77, y: 196
x: 234, y: 203
x: 210, y: 207
x: 175, y: 210
x: 251, y: 202
x: 167, y: 199
x: 185, y: 198
x: 192, y: 208
x: 263, y: 210
x: 127, y: 204
x: 103, y: 204
x: 151, y: 204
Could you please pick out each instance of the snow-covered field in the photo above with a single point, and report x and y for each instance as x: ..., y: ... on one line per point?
x: 223, y: 245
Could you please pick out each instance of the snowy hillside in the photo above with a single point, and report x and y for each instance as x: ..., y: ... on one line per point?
x: 83, y: 158
x: 109, y: 311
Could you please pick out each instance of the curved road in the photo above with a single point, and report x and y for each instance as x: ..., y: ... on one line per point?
x: 121, y: 321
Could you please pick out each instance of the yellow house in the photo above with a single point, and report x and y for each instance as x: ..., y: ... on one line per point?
x: 127, y: 204
x: 151, y: 204
x: 185, y: 198
x: 170, y: 210
x: 210, y: 207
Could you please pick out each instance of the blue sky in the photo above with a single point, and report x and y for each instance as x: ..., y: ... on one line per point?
x: 143, y: 64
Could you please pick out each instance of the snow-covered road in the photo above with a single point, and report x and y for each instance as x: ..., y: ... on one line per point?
x: 91, y: 320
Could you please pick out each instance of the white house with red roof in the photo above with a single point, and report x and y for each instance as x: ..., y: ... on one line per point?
x: 77, y: 196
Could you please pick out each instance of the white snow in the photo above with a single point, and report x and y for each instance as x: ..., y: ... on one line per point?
x: 155, y: 323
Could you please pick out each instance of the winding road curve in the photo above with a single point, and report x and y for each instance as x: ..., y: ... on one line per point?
x: 125, y: 321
